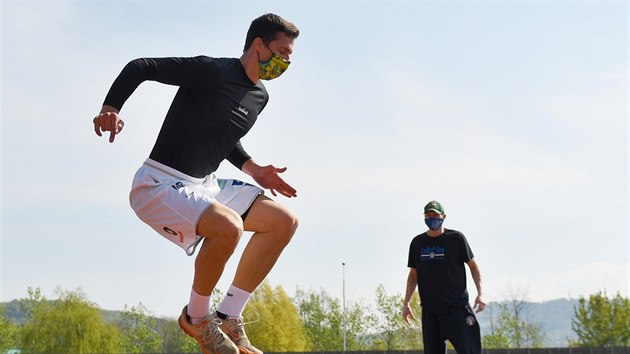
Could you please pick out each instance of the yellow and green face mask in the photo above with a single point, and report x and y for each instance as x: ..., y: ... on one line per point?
x: 272, y: 68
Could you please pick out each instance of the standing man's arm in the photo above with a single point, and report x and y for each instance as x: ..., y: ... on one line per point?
x: 411, y: 288
x: 476, y: 275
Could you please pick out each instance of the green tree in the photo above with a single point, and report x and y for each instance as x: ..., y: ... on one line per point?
x: 9, y: 333
x: 394, y: 333
x: 601, y: 321
x: 275, y: 324
x: 322, y: 318
x: 69, y: 324
x: 34, y: 300
x: 359, y: 323
x: 174, y: 339
x: 512, y: 329
x: 498, y: 336
x: 139, y: 329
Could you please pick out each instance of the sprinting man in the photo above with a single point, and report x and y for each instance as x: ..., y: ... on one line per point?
x: 436, y: 267
x: 175, y: 191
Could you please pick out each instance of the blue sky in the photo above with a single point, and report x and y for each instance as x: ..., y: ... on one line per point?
x: 513, y: 114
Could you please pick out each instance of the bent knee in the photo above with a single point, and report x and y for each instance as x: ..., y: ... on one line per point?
x: 294, y: 222
x: 287, y: 224
x: 230, y: 231
x: 226, y: 226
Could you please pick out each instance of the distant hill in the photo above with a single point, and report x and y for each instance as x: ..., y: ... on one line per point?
x: 554, y: 317
x: 13, y: 311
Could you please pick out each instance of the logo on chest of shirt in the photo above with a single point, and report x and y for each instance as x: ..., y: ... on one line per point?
x: 432, y: 253
x: 243, y: 110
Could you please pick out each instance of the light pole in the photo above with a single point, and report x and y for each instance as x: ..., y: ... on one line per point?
x: 343, y: 264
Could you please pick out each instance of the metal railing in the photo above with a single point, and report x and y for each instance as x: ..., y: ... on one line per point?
x: 605, y: 350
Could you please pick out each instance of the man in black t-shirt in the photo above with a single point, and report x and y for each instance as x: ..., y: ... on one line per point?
x: 436, y: 267
x: 175, y: 191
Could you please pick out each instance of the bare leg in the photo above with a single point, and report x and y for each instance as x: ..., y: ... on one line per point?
x: 222, y: 228
x: 274, y: 226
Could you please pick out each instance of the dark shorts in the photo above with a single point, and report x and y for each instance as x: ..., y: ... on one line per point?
x: 460, y: 327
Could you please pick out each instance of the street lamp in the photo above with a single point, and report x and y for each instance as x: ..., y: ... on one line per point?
x: 343, y: 264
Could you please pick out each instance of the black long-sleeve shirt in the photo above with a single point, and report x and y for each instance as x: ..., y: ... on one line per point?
x: 215, y: 106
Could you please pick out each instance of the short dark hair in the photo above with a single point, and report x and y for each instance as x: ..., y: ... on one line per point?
x: 267, y: 28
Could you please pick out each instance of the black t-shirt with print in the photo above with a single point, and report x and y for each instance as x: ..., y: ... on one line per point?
x: 215, y: 106
x: 441, y: 274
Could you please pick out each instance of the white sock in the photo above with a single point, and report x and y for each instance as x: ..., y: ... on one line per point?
x: 198, y: 307
x: 234, y: 302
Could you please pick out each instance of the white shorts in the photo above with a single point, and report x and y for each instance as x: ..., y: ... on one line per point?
x: 172, y: 202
